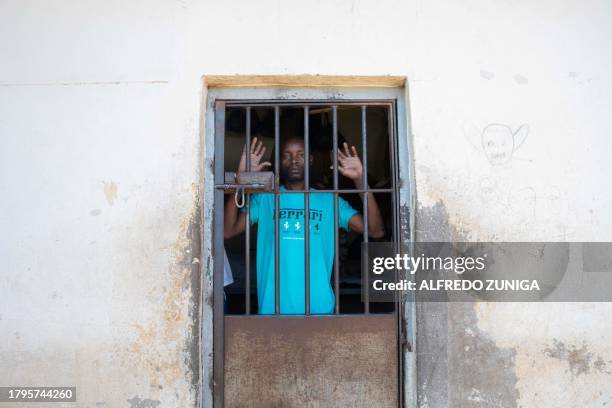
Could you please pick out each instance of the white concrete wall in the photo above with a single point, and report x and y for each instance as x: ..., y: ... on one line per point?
x: 99, y: 167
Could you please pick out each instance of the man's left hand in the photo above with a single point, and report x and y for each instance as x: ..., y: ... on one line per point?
x: 349, y: 164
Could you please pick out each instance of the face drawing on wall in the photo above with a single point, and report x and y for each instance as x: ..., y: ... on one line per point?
x: 499, y: 143
x: 496, y: 141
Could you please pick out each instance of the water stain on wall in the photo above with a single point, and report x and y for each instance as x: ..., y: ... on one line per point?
x: 110, y: 192
x: 480, y: 372
x: 136, y: 402
x: 579, y: 359
x: 165, y: 351
x: 458, y: 365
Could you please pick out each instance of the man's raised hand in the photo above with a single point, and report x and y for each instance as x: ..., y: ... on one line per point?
x: 349, y: 164
x: 257, y: 152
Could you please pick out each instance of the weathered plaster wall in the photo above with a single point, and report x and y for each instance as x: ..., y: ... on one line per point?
x: 542, y: 71
x: 100, y: 109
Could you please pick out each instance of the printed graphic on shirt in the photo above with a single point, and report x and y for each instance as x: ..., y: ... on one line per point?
x: 291, y: 248
x: 292, y: 220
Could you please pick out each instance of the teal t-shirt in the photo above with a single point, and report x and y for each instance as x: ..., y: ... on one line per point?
x: 291, y: 259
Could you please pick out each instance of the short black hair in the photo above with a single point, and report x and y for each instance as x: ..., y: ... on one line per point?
x: 288, y: 138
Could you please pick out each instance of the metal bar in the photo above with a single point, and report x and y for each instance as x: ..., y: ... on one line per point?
x: 364, y: 148
x: 276, y: 205
x: 302, y: 316
x: 306, y: 213
x: 396, y: 239
x: 229, y: 186
x: 248, y: 138
x: 304, y: 102
x: 339, y: 190
x: 394, y: 201
x: 247, y: 236
x: 218, y: 214
x: 336, y: 215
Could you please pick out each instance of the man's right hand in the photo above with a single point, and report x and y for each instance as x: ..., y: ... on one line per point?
x: 257, y: 152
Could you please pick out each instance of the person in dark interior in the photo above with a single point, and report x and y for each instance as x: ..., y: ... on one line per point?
x: 291, y: 228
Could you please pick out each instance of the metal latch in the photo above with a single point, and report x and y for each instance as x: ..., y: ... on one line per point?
x: 246, y: 181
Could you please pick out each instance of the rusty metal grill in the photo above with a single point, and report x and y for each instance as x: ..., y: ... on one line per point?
x: 218, y: 244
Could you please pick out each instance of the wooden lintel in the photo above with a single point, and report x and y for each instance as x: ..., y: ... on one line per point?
x: 304, y: 81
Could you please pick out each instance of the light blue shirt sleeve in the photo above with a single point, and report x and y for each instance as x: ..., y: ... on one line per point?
x: 345, y: 213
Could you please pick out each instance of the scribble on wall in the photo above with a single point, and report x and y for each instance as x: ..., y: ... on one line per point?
x: 496, y: 141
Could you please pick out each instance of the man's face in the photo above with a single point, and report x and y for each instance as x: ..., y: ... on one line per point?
x: 292, y: 160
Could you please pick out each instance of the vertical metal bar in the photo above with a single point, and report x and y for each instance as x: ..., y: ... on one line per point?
x: 398, y: 309
x: 276, y: 205
x: 247, y: 236
x: 306, y: 213
x: 394, y: 209
x: 396, y: 230
x: 218, y: 318
x: 336, y: 243
x: 364, y: 148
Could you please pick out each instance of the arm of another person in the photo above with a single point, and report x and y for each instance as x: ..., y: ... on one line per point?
x: 349, y: 165
x: 235, y: 220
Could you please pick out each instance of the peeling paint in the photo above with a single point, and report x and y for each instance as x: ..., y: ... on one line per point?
x: 405, y: 223
x: 91, y: 83
x: 457, y: 363
x: 579, y: 360
x: 481, y: 373
x: 434, y: 224
x: 110, y: 192
x: 520, y: 79
x: 488, y: 75
x: 171, y: 341
x: 193, y: 342
x: 136, y: 402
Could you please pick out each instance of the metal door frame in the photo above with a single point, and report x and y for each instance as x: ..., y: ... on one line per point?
x: 404, y: 218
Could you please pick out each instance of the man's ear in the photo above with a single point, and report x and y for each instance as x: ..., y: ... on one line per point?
x: 310, y: 159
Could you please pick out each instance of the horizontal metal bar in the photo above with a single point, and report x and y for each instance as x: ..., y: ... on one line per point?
x: 337, y: 190
x: 303, y: 316
x: 260, y: 103
x: 229, y: 186
x: 352, y: 190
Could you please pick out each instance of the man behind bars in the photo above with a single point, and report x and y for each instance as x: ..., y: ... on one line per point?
x: 291, y: 228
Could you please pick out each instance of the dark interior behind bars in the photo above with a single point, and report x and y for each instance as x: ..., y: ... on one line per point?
x: 316, y: 125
